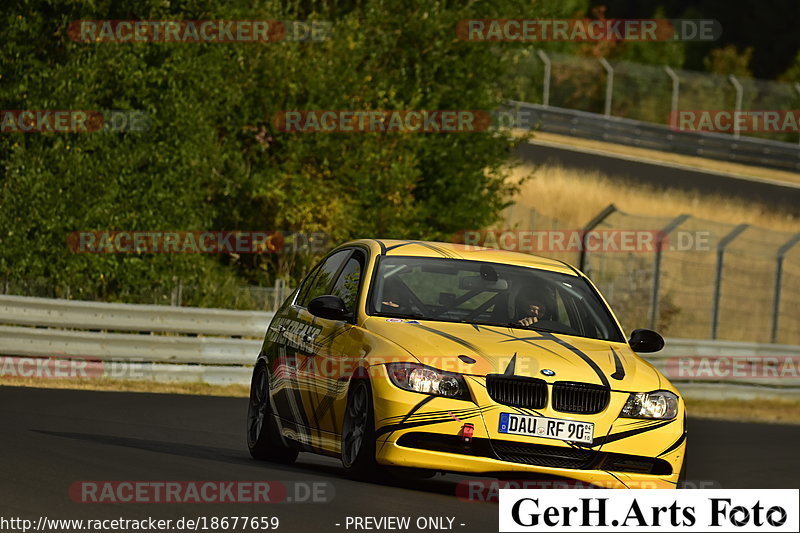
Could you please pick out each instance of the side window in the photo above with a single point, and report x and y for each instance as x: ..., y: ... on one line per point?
x: 323, y: 278
x: 567, y: 307
x: 561, y: 314
x: 303, y: 290
x: 346, y: 286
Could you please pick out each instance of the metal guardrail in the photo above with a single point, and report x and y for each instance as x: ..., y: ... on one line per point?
x: 68, y: 338
x: 697, y: 362
x: 44, y: 342
x: 723, y: 147
x: 75, y: 314
x: 62, y: 336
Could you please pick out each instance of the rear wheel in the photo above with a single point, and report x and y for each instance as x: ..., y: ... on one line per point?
x: 358, y: 432
x: 263, y: 440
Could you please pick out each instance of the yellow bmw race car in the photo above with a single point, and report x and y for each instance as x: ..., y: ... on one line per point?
x: 444, y: 357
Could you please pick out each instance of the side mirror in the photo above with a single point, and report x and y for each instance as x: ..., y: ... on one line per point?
x: 645, y: 341
x: 328, y: 306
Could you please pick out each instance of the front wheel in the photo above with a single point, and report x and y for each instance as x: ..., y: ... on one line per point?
x: 263, y: 439
x: 358, y: 432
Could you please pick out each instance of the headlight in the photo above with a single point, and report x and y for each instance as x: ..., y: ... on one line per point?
x: 660, y: 404
x: 419, y: 378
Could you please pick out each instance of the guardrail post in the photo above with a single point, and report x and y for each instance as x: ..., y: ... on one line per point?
x: 776, y: 301
x: 676, y: 84
x: 601, y: 216
x: 723, y: 243
x: 654, y: 299
x: 738, y: 106
x: 547, y: 69
x: 609, y: 85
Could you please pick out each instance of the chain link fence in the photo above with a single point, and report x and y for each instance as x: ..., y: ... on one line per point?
x: 643, y: 92
x: 684, y: 276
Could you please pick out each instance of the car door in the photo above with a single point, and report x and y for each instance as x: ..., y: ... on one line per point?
x: 299, y: 339
x: 331, y: 365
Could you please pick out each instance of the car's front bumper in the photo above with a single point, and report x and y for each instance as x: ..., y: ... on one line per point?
x: 395, y: 455
x: 420, y: 431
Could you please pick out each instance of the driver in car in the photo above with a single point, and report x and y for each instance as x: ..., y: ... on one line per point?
x: 535, y: 313
x: 531, y: 308
x: 392, y: 299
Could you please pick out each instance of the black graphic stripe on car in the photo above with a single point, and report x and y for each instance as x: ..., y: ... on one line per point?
x: 446, y: 253
x: 413, y: 410
x: 674, y: 445
x: 394, y: 247
x: 527, y: 340
x: 619, y: 370
x: 588, y: 360
x: 437, y: 413
x: 394, y: 427
x: 625, y: 434
x: 453, y: 338
x: 617, y: 478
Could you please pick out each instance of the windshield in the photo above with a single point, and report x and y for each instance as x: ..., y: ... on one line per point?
x: 474, y: 292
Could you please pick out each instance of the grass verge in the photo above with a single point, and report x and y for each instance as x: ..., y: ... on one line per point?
x: 559, y: 198
x: 552, y: 191
x: 766, y: 411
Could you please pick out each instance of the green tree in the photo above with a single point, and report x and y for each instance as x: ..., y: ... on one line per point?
x: 212, y: 158
x: 728, y: 60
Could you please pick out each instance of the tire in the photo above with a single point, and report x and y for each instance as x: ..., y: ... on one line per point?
x: 358, y: 432
x: 263, y: 439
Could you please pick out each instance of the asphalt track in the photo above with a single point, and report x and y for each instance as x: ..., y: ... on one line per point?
x: 663, y: 176
x: 53, y: 438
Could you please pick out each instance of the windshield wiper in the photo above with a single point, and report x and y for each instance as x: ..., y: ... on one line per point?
x: 416, y: 316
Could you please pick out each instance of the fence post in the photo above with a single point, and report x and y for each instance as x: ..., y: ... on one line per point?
x: 609, y: 85
x: 723, y: 242
x: 655, y: 298
x: 738, y: 107
x: 776, y: 299
x: 510, y: 214
x: 676, y: 84
x: 547, y: 69
x: 278, y: 293
x: 532, y: 216
x: 601, y: 216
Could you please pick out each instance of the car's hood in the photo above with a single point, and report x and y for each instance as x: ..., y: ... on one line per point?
x: 498, y: 350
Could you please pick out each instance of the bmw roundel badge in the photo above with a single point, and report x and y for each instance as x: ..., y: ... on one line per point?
x: 548, y: 372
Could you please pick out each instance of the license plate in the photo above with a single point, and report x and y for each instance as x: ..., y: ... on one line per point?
x: 548, y: 428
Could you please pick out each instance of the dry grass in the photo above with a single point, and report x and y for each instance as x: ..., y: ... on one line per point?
x: 574, y: 197
x: 566, y: 199
x: 762, y: 411
x: 114, y: 385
